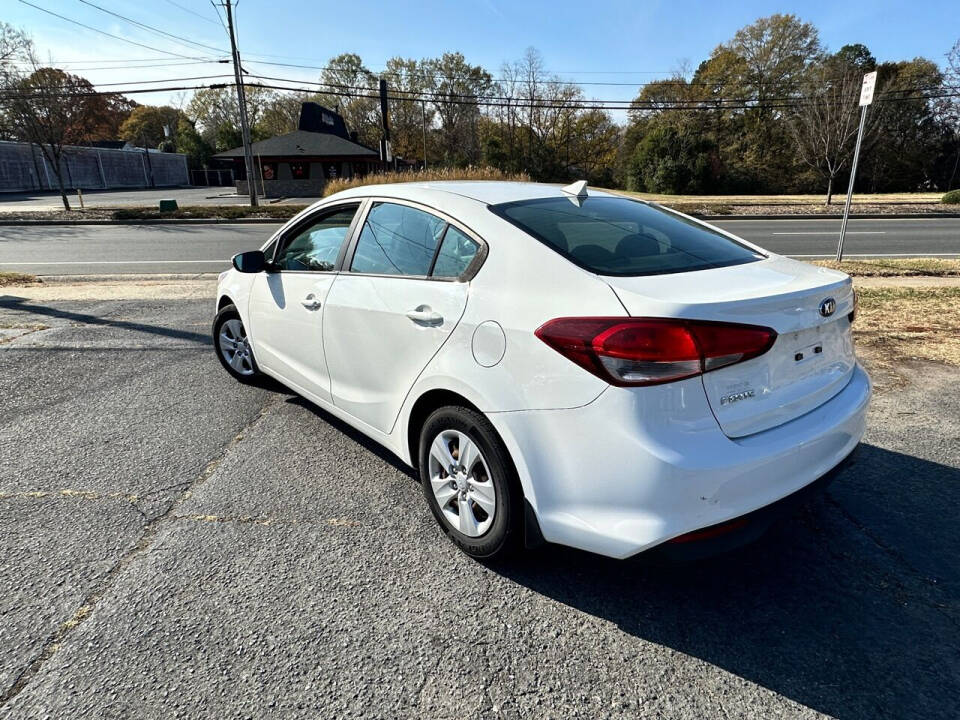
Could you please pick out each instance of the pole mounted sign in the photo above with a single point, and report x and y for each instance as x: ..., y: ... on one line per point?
x: 866, y: 90
x: 866, y: 98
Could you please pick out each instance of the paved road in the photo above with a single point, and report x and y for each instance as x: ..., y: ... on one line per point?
x: 177, y: 545
x: 93, y: 249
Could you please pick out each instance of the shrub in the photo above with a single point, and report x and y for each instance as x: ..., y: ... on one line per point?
x: 468, y: 173
x: 951, y: 198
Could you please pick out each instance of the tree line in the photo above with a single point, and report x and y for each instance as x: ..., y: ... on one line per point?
x: 772, y: 110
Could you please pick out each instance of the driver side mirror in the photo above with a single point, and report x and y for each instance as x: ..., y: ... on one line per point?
x: 253, y: 261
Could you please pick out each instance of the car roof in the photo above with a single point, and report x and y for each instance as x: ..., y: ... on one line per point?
x: 488, y: 192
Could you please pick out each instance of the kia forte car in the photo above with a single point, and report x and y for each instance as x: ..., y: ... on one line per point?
x: 558, y: 364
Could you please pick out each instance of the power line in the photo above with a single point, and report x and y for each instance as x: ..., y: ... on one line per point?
x: 133, y: 67
x: 152, y: 29
x: 103, y: 32
x: 575, y: 105
x: 188, y: 10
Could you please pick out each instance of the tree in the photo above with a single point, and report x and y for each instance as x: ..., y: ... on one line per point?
x: 52, y: 109
x: 150, y: 125
x: 352, y: 90
x: 216, y: 114
x: 410, y: 119
x: 758, y: 71
x: 824, y: 123
x: 190, y: 143
x: 15, y: 44
x: 458, y: 87
x: 913, y: 135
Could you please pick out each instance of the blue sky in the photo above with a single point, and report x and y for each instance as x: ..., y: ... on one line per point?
x: 610, y: 41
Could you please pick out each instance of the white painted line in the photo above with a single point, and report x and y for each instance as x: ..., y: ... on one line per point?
x: 119, y: 262
x: 879, y: 255
x: 828, y: 232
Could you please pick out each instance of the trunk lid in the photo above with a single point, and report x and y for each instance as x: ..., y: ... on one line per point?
x: 811, y: 360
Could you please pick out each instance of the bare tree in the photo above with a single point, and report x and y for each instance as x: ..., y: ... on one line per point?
x: 52, y: 109
x: 825, y: 122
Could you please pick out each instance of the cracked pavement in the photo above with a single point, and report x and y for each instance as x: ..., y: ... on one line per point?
x: 177, y: 545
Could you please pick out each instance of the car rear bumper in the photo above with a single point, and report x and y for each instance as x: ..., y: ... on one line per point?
x: 632, y: 470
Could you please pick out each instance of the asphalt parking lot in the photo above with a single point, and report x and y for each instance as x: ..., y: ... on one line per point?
x: 177, y: 545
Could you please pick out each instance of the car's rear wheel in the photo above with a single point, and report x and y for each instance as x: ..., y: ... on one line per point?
x: 233, y: 346
x: 470, y: 482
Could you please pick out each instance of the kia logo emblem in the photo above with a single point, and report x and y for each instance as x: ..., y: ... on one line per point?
x: 828, y: 307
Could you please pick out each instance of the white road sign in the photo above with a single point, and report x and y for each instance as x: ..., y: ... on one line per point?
x: 866, y: 90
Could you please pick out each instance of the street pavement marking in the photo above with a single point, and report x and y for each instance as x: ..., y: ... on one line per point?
x: 833, y: 232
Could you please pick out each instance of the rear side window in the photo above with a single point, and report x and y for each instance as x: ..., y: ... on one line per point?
x: 456, y: 253
x: 618, y: 236
x: 397, y: 240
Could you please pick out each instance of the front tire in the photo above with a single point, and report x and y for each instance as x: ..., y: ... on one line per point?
x: 233, y: 346
x: 470, y: 483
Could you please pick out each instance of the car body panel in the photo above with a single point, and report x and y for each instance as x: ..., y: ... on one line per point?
x: 607, y: 469
x: 277, y: 311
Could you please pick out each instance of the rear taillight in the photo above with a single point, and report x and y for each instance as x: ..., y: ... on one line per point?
x: 650, y: 351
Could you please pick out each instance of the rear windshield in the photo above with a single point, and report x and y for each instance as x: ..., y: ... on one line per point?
x: 619, y: 236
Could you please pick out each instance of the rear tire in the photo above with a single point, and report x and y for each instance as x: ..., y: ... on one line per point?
x: 233, y: 347
x: 470, y: 482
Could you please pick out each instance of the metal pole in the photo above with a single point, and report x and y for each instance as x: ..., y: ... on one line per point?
x: 423, y: 110
x: 385, y: 125
x: 853, y: 177
x: 242, y: 103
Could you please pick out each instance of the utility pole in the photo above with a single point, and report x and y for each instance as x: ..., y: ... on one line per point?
x: 423, y: 115
x: 242, y: 102
x: 386, y: 156
x: 866, y: 97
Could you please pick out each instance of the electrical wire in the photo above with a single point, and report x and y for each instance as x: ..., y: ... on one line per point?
x: 111, y: 35
x: 152, y: 29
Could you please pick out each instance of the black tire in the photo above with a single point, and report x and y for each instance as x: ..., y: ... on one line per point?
x: 506, y: 531
x: 227, y: 313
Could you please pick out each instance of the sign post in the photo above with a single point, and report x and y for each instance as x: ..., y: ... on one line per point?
x: 866, y: 97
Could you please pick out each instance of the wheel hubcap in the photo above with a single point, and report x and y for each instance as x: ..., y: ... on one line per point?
x: 461, y: 483
x: 235, y: 348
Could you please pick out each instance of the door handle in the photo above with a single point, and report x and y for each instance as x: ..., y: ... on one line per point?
x: 310, y: 302
x: 423, y: 315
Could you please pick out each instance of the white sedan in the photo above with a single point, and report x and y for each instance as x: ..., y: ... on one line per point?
x: 558, y: 364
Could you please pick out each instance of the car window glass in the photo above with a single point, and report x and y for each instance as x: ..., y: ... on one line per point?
x: 456, y: 252
x: 316, y: 246
x: 618, y: 236
x: 397, y: 240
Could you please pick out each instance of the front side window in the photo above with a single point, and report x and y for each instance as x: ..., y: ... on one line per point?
x: 397, y: 240
x: 618, y: 236
x: 316, y: 246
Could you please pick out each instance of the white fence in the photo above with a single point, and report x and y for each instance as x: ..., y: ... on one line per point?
x: 23, y: 167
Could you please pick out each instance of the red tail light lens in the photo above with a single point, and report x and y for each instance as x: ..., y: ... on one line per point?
x: 650, y: 351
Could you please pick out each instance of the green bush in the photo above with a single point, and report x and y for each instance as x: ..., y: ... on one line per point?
x: 951, y: 198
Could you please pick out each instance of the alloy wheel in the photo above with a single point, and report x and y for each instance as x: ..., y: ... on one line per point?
x: 461, y: 483
x: 235, y: 347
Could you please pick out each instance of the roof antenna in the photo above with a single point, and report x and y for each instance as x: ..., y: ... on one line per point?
x: 577, y: 192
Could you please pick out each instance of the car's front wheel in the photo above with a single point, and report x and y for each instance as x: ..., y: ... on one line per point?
x: 470, y: 482
x: 233, y: 346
